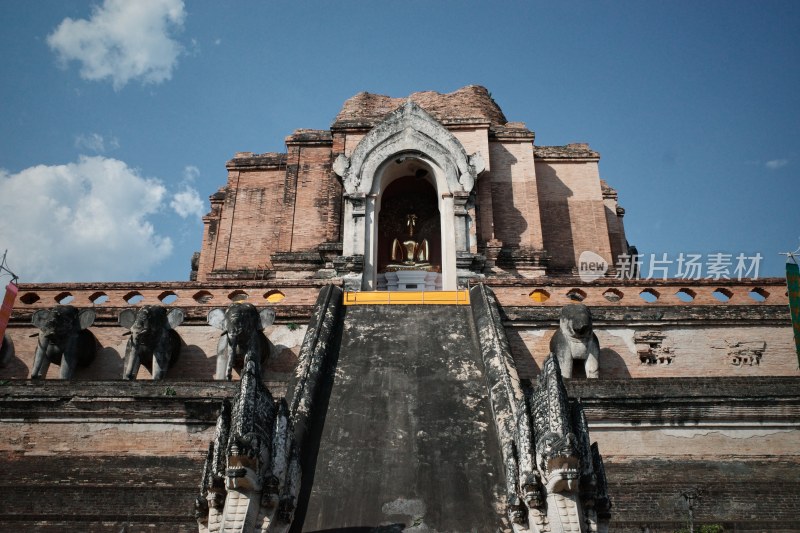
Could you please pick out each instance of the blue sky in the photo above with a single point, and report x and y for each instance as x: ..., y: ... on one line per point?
x: 117, y: 117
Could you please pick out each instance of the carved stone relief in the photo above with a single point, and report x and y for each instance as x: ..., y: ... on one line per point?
x: 744, y: 353
x: 652, y: 349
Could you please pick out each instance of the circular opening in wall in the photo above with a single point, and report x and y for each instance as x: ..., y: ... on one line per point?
x: 29, y: 298
x: 539, y: 295
x: 238, y: 296
x: 98, y: 298
x: 722, y: 295
x: 576, y: 295
x: 686, y: 295
x: 758, y: 294
x: 64, y: 298
x: 133, y: 297
x: 274, y: 296
x: 167, y: 297
x: 203, y: 297
x: 613, y: 295
x: 649, y: 295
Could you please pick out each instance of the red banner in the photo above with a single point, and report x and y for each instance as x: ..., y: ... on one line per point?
x: 7, y: 307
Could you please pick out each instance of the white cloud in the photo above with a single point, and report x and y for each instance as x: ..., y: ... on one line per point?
x: 776, y: 163
x: 187, y: 202
x: 84, y: 221
x: 122, y: 41
x: 190, y: 173
x: 96, y: 143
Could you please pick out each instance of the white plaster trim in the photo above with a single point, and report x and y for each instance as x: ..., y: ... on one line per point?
x: 99, y: 423
x: 625, y: 335
x: 413, y: 133
x: 419, y: 131
x: 694, y: 426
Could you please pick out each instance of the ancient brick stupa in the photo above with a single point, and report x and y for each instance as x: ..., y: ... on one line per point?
x: 489, y: 202
x: 416, y: 320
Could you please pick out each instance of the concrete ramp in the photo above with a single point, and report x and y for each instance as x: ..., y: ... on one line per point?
x: 408, y: 442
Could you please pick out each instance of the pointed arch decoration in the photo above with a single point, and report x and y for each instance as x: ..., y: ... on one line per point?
x: 408, y: 132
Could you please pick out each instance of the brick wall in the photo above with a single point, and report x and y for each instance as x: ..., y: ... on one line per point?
x: 318, y: 191
x: 616, y: 228
x: 610, y: 292
x: 740, y: 495
x: 104, y: 456
x: 515, y: 202
x: 731, y: 442
x: 253, y: 220
x: 100, y: 494
x: 572, y: 211
x: 194, y: 297
x: 197, y: 360
x: 352, y: 140
x: 293, y: 202
x: 685, y: 351
x: 740, y: 337
x: 208, y: 247
x: 100, y: 456
x: 484, y: 211
x: 475, y: 140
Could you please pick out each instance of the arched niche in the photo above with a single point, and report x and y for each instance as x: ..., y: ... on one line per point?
x: 411, y: 193
x: 408, y: 136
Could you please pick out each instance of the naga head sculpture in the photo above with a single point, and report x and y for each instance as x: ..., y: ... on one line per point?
x: 556, y: 446
x: 559, y: 461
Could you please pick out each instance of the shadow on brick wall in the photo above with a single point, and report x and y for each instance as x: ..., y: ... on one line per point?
x: 527, y: 368
x: 612, y: 365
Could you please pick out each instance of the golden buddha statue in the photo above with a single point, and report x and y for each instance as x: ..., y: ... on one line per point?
x: 410, y: 254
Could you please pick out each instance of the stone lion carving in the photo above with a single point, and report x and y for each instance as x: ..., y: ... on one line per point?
x: 64, y: 340
x: 575, y: 339
x: 242, y: 328
x: 153, y: 340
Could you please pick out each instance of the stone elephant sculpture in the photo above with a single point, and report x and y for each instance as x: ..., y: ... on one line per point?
x: 153, y: 340
x: 64, y: 340
x: 575, y: 339
x: 242, y: 336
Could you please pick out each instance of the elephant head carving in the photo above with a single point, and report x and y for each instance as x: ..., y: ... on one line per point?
x: 153, y: 340
x: 64, y: 340
x: 575, y: 339
x: 242, y: 328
